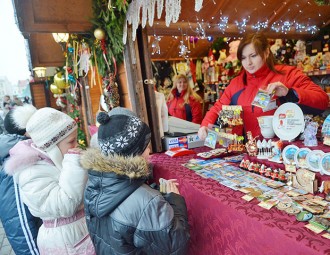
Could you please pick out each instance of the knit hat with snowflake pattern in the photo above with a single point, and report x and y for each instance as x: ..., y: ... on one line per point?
x: 122, y: 134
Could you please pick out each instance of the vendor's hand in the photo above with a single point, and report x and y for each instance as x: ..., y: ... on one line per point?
x: 202, y: 133
x: 278, y: 88
x: 172, y: 186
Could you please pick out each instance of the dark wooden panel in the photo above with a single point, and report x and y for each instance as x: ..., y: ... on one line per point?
x: 42, y: 96
x: 38, y: 92
x: 45, y: 51
x: 45, y: 16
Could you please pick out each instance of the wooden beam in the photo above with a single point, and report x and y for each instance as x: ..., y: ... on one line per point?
x: 152, y: 111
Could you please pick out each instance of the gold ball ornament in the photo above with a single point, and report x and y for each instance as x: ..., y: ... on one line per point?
x: 225, y: 39
x: 60, y: 82
x: 55, y: 90
x: 214, y: 51
x: 99, y: 33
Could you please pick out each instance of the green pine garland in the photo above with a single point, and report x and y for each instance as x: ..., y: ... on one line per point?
x: 322, y: 2
x: 74, y: 113
x: 112, y: 22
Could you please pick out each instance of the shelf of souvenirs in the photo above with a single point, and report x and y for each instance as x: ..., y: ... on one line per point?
x: 318, y: 72
x: 216, y: 83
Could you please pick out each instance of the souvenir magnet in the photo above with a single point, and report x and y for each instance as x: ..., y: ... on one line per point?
x: 304, y: 216
x: 292, y: 210
x: 282, y: 206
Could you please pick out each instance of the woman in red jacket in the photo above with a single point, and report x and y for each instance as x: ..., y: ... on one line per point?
x: 183, y: 102
x: 260, y: 72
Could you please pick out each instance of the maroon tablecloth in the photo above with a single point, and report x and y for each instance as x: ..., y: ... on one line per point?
x: 223, y: 223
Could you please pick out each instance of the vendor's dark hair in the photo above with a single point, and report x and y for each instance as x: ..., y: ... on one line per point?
x: 261, y: 46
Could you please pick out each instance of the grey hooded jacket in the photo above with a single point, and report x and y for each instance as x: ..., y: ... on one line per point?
x: 126, y: 216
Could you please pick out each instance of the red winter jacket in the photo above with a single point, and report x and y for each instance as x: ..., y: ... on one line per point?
x: 190, y: 112
x: 312, y: 99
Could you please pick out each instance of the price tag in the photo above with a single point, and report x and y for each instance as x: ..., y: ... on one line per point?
x: 314, y: 228
x: 268, y: 204
x: 247, y: 198
x: 326, y: 235
x: 290, y: 168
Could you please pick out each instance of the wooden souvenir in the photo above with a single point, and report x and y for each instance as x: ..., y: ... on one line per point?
x: 281, y: 175
x: 305, y: 179
x: 242, y: 164
x: 262, y: 170
x: 251, y: 145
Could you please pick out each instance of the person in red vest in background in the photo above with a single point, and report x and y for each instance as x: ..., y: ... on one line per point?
x: 183, y: 102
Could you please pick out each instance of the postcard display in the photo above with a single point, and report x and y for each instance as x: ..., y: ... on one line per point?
x: 289, y: 187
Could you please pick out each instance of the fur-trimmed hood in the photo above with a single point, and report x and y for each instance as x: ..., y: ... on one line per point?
x: 111, y: 179
x: 132, y: 167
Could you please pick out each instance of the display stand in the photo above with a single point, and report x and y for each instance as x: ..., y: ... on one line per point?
x: 275, y: 165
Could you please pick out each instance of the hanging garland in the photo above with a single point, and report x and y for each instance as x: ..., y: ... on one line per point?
x: 100, y: 51
x: 108, y: 22
x: 107, y: 46
x: 65, y: 85
x: 322, y: 2
x: 74, y: 113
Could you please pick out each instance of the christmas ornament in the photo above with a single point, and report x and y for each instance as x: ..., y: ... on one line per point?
x: 99, y: 33
x: 210, y: 38
x: 55, y: 90
x: 77, y: 96
x: 84, y: 59
x: 61, y: 100
x: 110, y: 91
x: 60, y: 82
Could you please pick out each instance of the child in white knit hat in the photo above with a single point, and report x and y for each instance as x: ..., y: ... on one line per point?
x: 51, y: 180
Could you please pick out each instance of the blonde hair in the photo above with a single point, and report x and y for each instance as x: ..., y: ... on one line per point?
x: 189, y: 92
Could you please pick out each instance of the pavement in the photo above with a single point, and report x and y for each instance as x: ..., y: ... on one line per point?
x: 5, y: 248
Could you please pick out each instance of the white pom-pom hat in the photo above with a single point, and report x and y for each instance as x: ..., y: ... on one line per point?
x: 22, y: 114
x: 46, y: 126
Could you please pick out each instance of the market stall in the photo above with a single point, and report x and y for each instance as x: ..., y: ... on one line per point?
x: 270, y: 195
